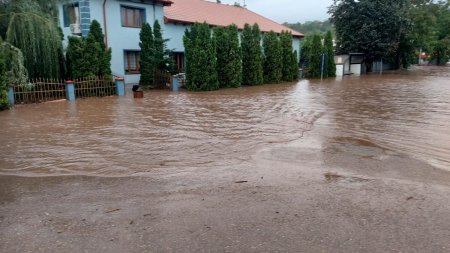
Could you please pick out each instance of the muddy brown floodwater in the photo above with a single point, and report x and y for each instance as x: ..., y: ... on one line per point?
x: 356, y: 164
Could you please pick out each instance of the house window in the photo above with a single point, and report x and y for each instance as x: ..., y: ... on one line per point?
x: 71, y: 14
x: 132, y: 17
x: 179, y: 60
x: 132, y: 62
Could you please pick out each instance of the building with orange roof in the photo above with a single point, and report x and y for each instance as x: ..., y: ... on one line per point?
x: 122, y: 21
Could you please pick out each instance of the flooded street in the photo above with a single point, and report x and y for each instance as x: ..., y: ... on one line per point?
x: 357, y: 164
x: 405, y: 112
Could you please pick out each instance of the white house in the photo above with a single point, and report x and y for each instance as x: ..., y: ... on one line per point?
x: 122, y: 21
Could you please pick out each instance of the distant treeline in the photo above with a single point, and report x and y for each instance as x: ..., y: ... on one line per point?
x: 311, y: 26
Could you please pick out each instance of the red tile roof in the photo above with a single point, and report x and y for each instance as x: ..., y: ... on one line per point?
x: 199, y: 11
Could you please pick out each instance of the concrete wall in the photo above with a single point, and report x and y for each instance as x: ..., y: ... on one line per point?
x: 355, y: 69
x: 339, y: 69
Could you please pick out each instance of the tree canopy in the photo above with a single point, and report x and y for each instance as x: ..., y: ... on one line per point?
x: 32, y: 26
x: 394, y: 30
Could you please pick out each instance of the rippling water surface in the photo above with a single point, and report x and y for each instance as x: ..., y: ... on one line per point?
x: 405, y: 111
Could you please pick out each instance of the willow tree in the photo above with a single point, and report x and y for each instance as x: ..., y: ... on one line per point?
x: 3, y: 81
x: 36, y: 33
x: 12, y: 70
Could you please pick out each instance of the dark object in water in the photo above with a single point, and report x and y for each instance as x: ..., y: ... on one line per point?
x: 138, y: 94
x: 136, y: 88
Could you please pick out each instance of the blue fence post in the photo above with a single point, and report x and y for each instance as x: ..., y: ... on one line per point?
x: 175, y: 83
x: 11, y: 98
x: 70, y: 91
x: 120, y: 86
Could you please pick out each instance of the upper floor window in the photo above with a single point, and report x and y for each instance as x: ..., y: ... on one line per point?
x: 71, y: 14
x: 132, y: 17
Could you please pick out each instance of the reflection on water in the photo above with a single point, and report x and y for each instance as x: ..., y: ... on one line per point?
x: 404, y: 111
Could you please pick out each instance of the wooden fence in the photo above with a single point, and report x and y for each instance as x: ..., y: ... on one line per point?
x: 94, y: 87
x: 39, y: 90
x: 42, y: 90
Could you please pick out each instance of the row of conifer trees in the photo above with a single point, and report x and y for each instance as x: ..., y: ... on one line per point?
x: 220, y: 59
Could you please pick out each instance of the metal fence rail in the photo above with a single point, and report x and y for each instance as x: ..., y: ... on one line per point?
x: 94, y: 87
x: 39, y: 90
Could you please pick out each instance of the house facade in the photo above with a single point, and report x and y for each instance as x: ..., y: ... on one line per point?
x: 122, y: 20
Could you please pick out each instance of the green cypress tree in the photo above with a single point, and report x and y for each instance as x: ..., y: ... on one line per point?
x: 329, y: 51
x: 104, y: 68
x: 252, y: 67
x: 92, y: 60
x: 147, y: 56
x: 294, y: 66
x: 74, y: 57
x: 201, y: 59
x: 314, y: 57
x: 258, y: 55
x: 158, y: 46
x: 235, y: 61
x: 286, y: 45
x: 273, y: 60
x: 229, y: 63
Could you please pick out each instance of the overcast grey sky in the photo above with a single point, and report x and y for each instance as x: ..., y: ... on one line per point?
x: 288, y: 10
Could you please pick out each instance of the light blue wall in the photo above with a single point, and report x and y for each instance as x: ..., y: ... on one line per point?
x: 175, y: 33
x: 119, y: 38
x: 126, y: 38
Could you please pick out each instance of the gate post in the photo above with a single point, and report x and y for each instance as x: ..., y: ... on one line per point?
x: 11, y: 99
x: 120, y: 86
x: 70, y: 91
x: 175, y: 83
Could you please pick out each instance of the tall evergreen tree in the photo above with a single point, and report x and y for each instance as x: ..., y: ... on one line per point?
x: 147, y: 56
x: 229, y: 63
x: 201, y: 71
x: 252, y: 61
x: 273, y: 60
x: 314, y: 57
x: 294, y: 65
x: 287, y: 56
x: 74, y: 57
x: 329, y: 51
x: 104, y: 67
x: 159, y: 46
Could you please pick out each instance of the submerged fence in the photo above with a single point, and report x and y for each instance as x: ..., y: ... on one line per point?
x: 39, y: 90
x: 42, y: 90
x: 94, y: 87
